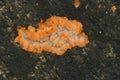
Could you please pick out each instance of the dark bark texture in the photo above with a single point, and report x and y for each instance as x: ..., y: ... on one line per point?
x: 99, y: 60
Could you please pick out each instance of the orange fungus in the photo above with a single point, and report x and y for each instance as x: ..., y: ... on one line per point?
x: 76, y: 3
x: 113, y: 8
x: 55, y: 35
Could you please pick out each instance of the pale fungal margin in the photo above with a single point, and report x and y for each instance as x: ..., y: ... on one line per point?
x: 55, y: 35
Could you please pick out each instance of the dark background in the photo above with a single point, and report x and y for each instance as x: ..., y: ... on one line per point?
x: 99, y: 60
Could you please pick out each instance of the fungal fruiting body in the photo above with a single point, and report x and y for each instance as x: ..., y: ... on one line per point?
x: 113, y: 8
x: 76, y: 3
x: 55, y: 35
